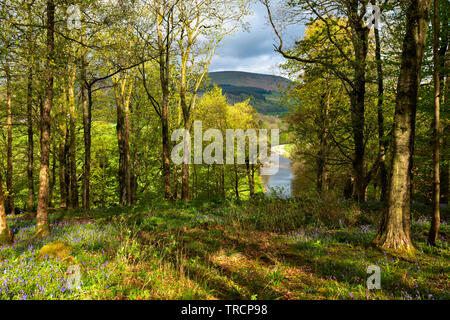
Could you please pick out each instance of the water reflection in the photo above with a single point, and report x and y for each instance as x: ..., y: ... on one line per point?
x: 280, y: 184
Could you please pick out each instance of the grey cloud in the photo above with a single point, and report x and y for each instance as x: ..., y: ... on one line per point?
x: 252, y: 51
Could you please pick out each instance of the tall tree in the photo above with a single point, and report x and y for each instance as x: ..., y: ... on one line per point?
x: 30, y: 149
x: 8, y: 54
x: 436, y: 194
x: 87, y: 124
x: 164, y: 31
x: 9, y: 160
x: 394, y: 232
x: 123, y: 87
x: 158, y: 41
x: 382, y: 141
x: 44, y: 175
x: 347, y: 17
x: 72, y: 162
x: 445, y: 90
x: 63, y: 168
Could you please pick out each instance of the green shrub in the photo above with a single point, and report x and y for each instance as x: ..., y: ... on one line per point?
x: 284, y: 215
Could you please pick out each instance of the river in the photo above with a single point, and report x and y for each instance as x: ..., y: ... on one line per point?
x: 281, y: 182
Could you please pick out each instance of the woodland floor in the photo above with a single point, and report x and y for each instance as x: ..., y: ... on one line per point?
x: 222, y: 250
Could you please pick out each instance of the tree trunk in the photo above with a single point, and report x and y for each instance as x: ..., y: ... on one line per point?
x: 445, y: 90
x: 360, y: 46
x: 123, y: 89
x: 187, y: 124
x: 358, y: 136
x: 394, y: 231
x: 127, y: 148
x: 250, y: 177
x: 63, y: 172
x: 61, y: 154
x: 175, y: 182
x: 5, y: 233
x: 195, y: 183
x: 236, y: 179
x: 323, y: 143
x: 9, y: 164
x: 30, y: 142
x: 164, y: 52
x: 43, y: 229
x: 103, y: 166
x: 134, y: 188
x: 166, y: 141
x: 72, y: 161
x: 445, y: 167
x: 121, y: 147
x: 30, y: 150
x: 54, y: 157
x: 64, y: 149
x: 185, y: 165
x: 382, y: 142
x: 185, y: 182
x: 222, y: 181
x: 133, y: 162
x: 436, y: 194
x: 86, y: 94
x: 208, y: 181
x: 349, y: 186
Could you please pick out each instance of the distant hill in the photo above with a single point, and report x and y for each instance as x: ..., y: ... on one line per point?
x: 246, y: 79
x: 262, y: 89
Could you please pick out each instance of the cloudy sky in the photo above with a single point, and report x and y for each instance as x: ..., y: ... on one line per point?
x: 253, y: 51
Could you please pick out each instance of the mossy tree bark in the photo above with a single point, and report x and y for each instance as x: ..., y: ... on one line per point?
x: 394, y: 229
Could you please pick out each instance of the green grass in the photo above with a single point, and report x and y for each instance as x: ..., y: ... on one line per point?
x: 264, y: 249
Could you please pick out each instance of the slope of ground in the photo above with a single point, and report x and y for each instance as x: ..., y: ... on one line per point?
x: 230, y: 250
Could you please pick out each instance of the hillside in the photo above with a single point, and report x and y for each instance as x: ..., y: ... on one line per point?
x: 263, y: 90
x: 246, y: 79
